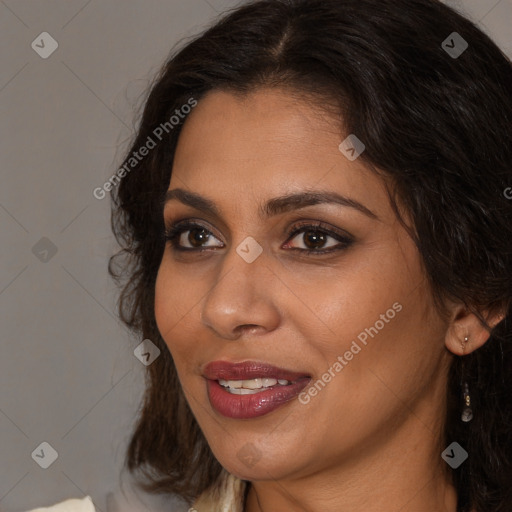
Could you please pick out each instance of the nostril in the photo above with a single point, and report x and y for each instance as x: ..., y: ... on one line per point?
x: 249, y: 328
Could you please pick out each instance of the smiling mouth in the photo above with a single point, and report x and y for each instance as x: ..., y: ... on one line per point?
x: 252, y: 386
x: 251, y: 389
x: 250, y: 374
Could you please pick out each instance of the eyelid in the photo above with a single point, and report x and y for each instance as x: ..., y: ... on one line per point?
x: 296, y: 224
x: 344, y: 239
x: 182, y: 222
x: 320, y: 226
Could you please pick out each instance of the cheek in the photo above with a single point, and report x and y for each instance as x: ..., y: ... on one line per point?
x: 375, y: 312
x: 391, y: 345
x: 165, y: 313
x: 341, y: 302
x: 174, y: 307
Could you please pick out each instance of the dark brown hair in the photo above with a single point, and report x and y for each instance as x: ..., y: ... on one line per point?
x: 439, y: 127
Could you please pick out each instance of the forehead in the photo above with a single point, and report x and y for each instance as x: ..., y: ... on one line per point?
x: 266, y: 143
x: 266, y: 114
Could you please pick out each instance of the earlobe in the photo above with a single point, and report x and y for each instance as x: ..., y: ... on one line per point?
x: 466, y: 333
x: 460, y: 345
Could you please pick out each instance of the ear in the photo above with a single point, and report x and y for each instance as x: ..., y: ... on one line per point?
x: 465, y: 332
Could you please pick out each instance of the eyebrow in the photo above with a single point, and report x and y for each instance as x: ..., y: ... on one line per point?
x: 274, y: 206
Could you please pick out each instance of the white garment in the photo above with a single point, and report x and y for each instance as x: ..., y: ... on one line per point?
x: 73, y: 505
x: 226, y: 496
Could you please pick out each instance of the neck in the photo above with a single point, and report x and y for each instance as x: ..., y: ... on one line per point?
x: 405, y: 474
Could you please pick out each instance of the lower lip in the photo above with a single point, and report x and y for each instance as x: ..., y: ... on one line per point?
x: 254, y: 405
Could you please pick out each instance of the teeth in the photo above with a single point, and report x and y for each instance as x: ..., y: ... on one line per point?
x: 231, y: 383
x: 242, y: 391
x: 250, y: 386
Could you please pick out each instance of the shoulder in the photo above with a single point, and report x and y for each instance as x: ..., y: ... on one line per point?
x: 72, y: 505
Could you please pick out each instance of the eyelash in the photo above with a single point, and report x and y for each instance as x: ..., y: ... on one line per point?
x: 173, y: 232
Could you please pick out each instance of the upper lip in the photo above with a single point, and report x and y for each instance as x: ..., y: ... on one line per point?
x: 246, y: 370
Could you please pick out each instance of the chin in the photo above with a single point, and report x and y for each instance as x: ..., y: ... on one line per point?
x: 257, y: 458
x: 261, y: 471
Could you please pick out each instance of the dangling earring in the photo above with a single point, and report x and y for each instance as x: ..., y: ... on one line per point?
x: 467, y: 412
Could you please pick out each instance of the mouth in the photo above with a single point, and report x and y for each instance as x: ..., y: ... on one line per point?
x: 251, y: 386
x: 251, y: 389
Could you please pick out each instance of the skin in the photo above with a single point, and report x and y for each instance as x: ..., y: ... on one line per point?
x: 370, y: 439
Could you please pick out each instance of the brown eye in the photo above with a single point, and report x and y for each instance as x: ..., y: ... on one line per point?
x: 314, y: 239
x: 197, y: 236
x: 189, y: 236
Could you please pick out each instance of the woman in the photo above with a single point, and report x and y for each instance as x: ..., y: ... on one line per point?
x: 317, y: 217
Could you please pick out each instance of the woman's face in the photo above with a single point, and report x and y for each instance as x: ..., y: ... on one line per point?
x: 357, y: 321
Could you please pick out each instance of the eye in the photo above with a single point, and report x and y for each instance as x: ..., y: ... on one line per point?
x: 188, y: 233
x: 314, y: 238
x: 190, y: 236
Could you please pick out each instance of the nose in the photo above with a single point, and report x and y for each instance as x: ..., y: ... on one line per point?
x: 242, y: 299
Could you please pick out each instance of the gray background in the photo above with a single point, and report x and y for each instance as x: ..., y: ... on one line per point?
x: 68, y: 375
